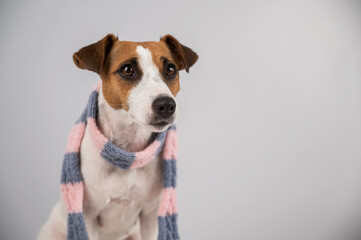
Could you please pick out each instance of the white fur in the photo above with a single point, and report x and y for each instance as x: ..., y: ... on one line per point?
x: 151, y: 86
x: 119, y: 204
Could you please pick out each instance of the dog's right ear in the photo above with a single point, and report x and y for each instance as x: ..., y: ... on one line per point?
x: 93, y: 57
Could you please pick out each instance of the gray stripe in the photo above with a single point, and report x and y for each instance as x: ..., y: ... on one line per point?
x: 169, y: 173
x: 161, y: 136
x: 116, y: 156
x: 92, y: 107
x: 168, y: 229
x: 172, y: 127
x: 76, y: 227
x: 71, y: 172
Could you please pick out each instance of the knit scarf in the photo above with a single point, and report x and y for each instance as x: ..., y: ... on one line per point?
x: 72, y: 183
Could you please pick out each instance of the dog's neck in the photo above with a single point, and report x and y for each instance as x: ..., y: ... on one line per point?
x: 119, y: 128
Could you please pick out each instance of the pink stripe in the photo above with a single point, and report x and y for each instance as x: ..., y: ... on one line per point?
x: 75, y: 137
x: 73, y: 196
x: 98, y: 138
x: 170, y: 145
x: 168, y: 204
x: 97, y: 87
x: 145, y: 156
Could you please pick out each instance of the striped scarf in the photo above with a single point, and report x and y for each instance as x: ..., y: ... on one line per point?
x: 72, y: 184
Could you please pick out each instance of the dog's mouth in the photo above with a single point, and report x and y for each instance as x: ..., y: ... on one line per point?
x: 160, y: 125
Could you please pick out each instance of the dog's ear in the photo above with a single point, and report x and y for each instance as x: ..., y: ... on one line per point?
x: 93, y: 57
x: 182, y: 55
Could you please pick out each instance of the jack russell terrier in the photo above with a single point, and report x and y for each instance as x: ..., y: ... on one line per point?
x: 118, y: 178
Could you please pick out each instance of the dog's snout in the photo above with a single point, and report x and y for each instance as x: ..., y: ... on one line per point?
x: 164, y: 106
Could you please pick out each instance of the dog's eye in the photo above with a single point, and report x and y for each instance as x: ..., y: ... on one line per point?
x: 171, y: 70
x: 127, y: 70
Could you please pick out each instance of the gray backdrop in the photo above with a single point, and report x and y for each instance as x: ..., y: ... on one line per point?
x: 270, y: 126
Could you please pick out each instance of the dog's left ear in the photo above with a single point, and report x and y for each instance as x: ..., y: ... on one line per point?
x: 182, y: 55
x: 93, y: 57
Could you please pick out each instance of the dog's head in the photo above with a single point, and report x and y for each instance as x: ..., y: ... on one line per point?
x: 140, y: 78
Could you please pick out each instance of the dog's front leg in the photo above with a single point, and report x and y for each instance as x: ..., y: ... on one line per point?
x: 149, y: 223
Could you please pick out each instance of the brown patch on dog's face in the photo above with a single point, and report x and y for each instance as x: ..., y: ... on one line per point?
x: 116, y: 89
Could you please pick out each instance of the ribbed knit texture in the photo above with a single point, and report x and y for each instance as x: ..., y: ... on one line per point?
x: 72, y: 184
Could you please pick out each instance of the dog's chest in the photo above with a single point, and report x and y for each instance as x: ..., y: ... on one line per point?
x: 113, y: 196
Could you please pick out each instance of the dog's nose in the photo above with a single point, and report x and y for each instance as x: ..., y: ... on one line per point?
x: 164, y: 106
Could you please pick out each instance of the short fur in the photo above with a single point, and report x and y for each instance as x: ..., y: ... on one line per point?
x: 122, y: 204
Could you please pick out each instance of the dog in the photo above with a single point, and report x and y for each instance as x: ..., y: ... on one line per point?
x: 139, y: 83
